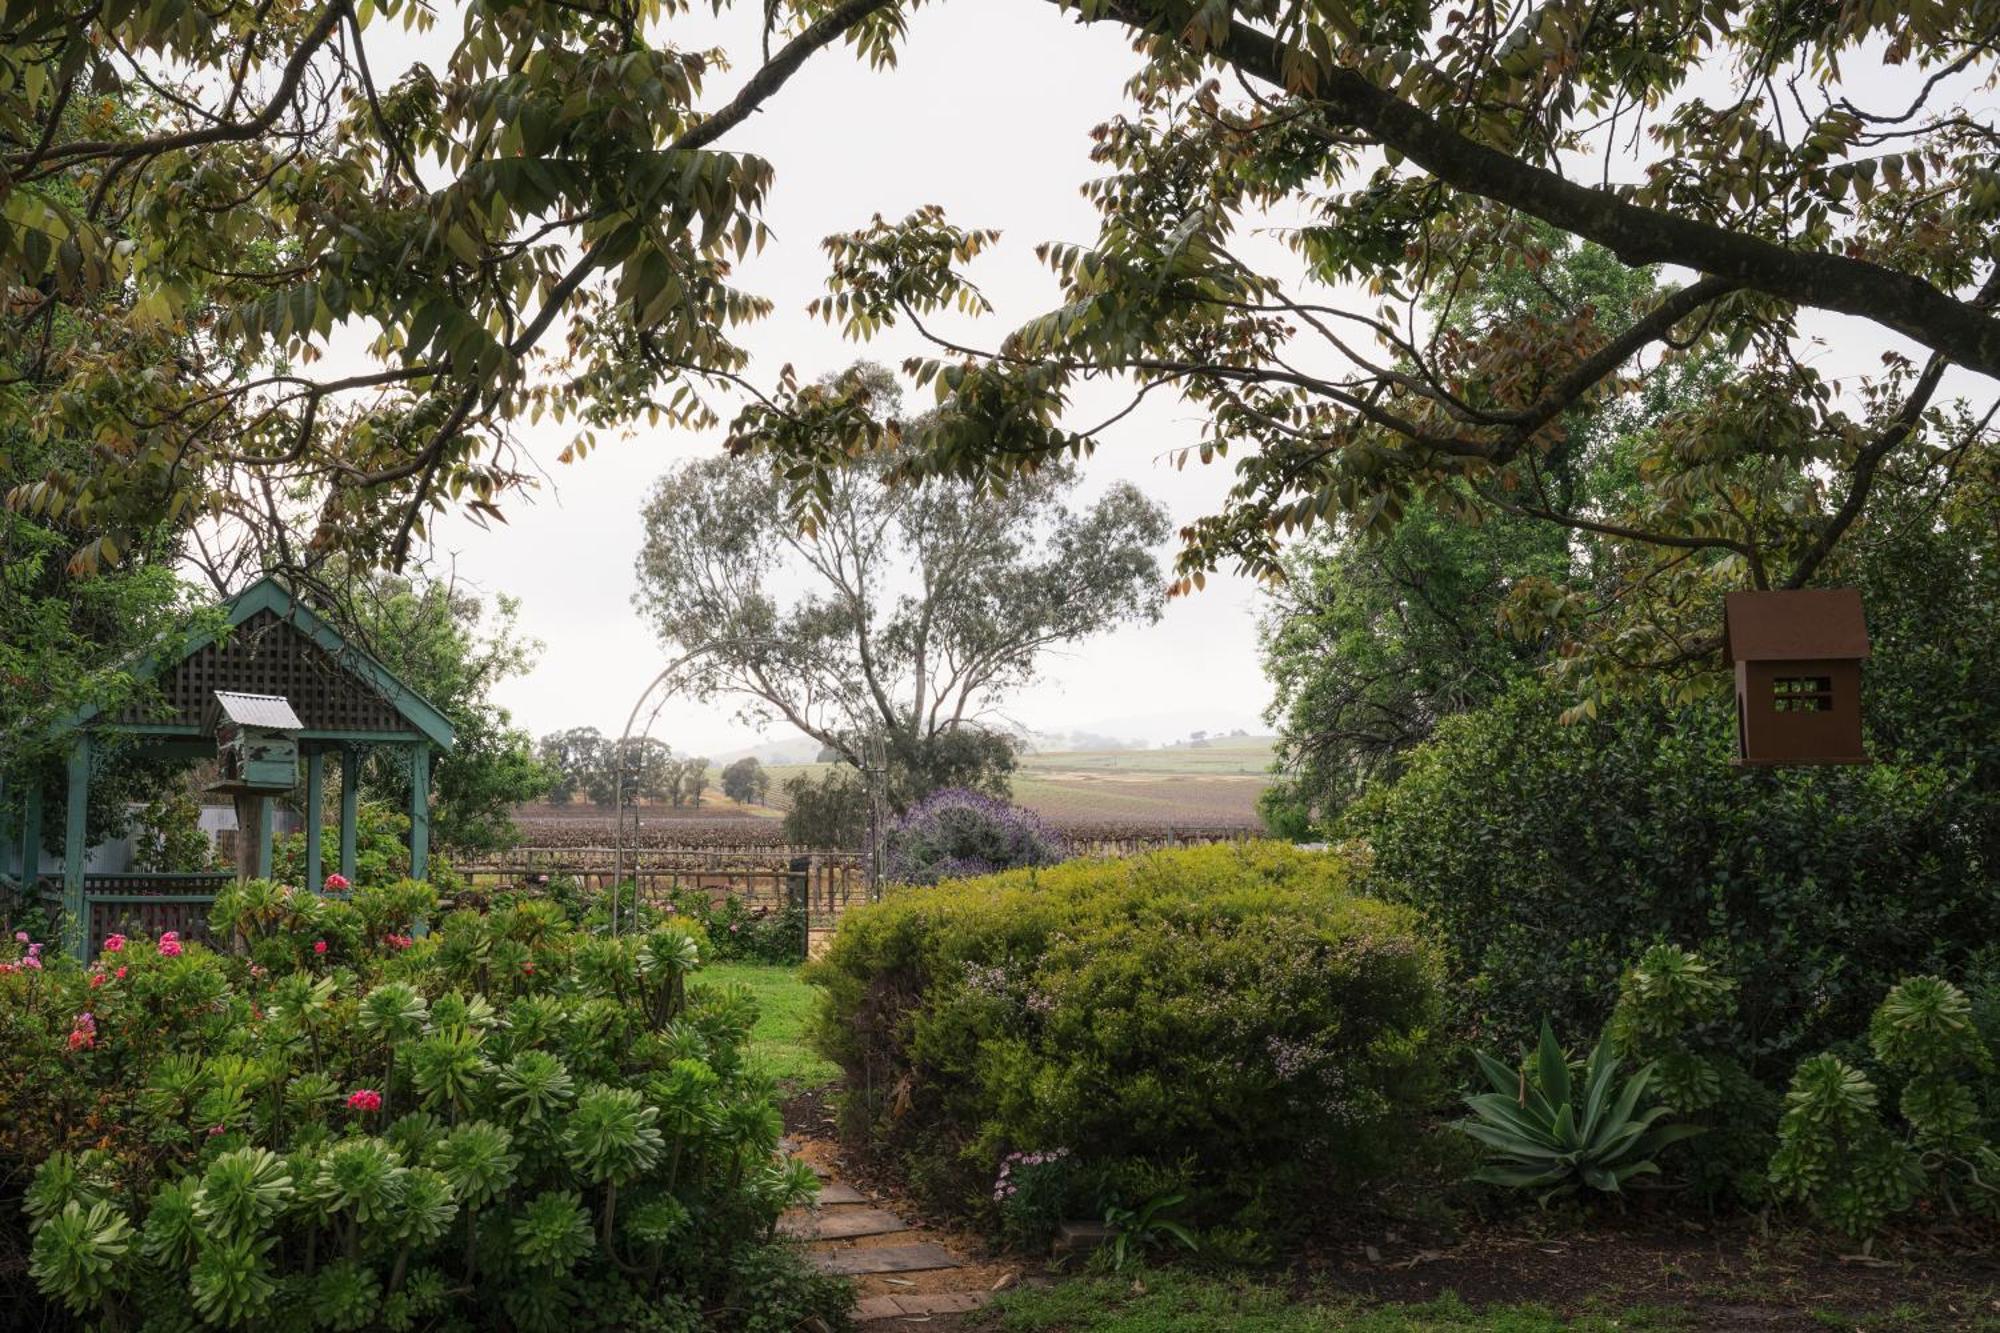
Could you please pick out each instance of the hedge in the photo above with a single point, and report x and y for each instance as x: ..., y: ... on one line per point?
x: 1231, y: 1023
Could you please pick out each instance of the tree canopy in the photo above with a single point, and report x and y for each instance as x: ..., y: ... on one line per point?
x: 199, y: 201
x: 438, y: 637
x: 902, y: 617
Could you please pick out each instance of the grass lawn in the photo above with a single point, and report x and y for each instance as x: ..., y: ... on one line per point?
x: 784, y: 1006
x: 1182, y: 1302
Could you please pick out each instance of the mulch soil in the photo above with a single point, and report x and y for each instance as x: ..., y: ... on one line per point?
x: 1726, y: 1274
x: 1731, y: 1273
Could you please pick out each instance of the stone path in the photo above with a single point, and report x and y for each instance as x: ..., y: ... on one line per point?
x: 850, y: 1234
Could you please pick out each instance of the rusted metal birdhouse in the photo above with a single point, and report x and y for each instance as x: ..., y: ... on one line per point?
x: 256, y: 741
x: 1797, y: 656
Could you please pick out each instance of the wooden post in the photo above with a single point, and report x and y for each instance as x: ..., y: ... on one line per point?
x: 266, y: 808
x: 350, y: 799
x: 420, y: 810
x: 253, y: 835
x: 315, y: 795
x: 31, y: 836
x: 76, y: 815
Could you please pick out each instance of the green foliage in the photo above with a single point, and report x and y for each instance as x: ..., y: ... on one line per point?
x: 1370, y: 643
x: 738, y: 933
x: 745, y: 781
x: 1677, y: 1013
x: 1228, y: 1022
x: 1839, y: 1156
x: 1548, y: 1130
x: 169, y: 835
x: 442, y: 641
x: 1145, y: 1229
x: 1834, y: 1153
x: 500, y: 1124
x: 577, y: 761
x: 381, y: 848
x: 1548, y: 855
x: 830, y: 811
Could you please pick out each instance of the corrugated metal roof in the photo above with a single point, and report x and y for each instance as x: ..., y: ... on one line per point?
x: 1795, y: 625
x: 259, y: 710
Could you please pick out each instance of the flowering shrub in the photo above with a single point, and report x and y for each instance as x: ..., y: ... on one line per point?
x: 739, y: 933
x: 958, y: 833
x: 506, y: 1124
x: 1229, y: 1022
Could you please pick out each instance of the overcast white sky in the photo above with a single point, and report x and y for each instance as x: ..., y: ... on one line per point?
x: 987, y: 115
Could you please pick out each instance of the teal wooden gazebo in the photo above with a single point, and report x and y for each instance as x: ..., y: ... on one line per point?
x: 276, y: 648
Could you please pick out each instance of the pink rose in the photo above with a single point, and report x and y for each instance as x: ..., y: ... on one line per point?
x: 319, y: 946
x: 336, y: 882
x: 170, y: 944
x: 113, y: 943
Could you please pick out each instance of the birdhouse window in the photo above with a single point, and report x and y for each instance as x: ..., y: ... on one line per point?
x: 1802, y: 694
x: 1797, y: 657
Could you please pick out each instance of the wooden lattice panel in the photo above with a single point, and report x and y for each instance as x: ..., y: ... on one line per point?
x: 267, y: 656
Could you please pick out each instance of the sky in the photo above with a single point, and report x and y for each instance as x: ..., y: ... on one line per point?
x: 988, y: 114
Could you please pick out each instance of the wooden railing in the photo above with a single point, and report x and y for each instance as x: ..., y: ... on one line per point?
x: 140, y: 903
x: 822, y: 882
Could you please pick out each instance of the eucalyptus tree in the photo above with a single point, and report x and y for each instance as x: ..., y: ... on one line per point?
x: 890, y: 628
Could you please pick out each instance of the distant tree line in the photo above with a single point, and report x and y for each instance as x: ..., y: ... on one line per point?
x: 584, y: 762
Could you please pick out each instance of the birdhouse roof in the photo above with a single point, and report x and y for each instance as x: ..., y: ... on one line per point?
x: 1794, y: 625
x: 270, y: 711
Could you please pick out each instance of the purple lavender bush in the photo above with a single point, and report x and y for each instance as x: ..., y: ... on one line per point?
x: 958, y: 833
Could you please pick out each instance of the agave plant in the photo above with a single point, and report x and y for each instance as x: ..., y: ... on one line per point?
x: 1551, y: 1131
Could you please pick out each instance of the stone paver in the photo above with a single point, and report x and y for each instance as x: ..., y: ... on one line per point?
x: 841, y: 1224
x: 922, y: 1306
x: 916, y: 1258
x: 839, y: 1191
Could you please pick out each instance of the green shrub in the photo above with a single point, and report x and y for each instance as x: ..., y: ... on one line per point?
x: 1839, y: 1156
x: 741, y: 934
x: 1228, y: 1022
x: 381, y: 848
x: 507, y: 1124
x: 1678, y: 1013
x: 1547, y: 1127
x: 1548, y: 856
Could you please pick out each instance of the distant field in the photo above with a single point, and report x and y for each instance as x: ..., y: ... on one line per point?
x: 1214, y: 784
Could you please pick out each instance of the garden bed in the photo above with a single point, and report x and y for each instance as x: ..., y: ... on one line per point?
x: 1527, y: 1276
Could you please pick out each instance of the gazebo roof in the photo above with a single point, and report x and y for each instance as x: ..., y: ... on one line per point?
x: 275, y: 645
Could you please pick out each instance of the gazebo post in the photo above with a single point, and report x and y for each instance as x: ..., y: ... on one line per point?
x: 315, y: 793
x: 350, y: 800
x: 76, y: 816
x: 420, y: 810
x: 31, y: 835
